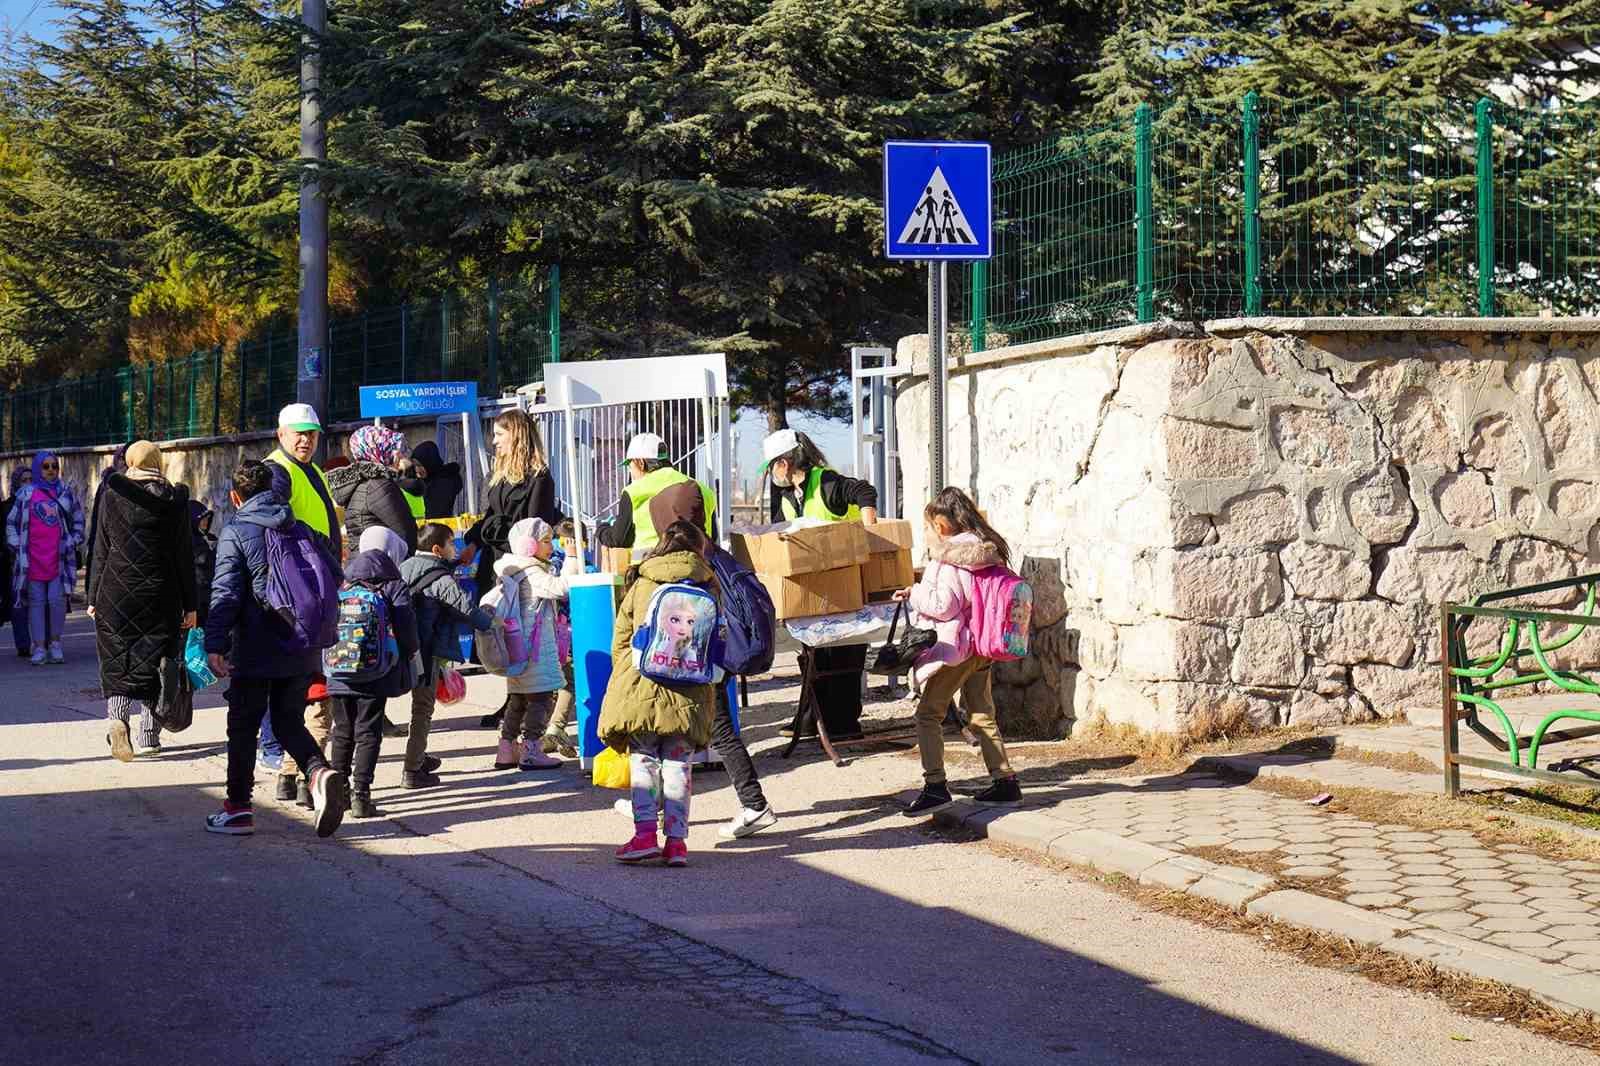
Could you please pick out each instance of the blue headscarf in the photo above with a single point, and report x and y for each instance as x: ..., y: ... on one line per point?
x: 53, y: 483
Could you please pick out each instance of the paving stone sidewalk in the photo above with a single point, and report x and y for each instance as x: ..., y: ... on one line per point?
x: 1493, y: 910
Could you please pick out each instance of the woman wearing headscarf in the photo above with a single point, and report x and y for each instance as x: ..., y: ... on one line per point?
x: 520, y: 486
x: 141, y: 591
x: 44, y: 530
x: 369, y: 488
x: 18, y: 616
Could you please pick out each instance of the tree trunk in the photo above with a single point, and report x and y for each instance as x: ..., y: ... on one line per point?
x: 777, y: 397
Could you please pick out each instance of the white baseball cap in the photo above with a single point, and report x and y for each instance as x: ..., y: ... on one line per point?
x: 778, y: 444
x: 301, y: 417
x: 645, y: 446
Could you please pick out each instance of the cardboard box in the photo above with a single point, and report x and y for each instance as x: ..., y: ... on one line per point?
x: 812, y: 550
x: 805, y: 595
x: 890, y: 534
x: 615, y: 560
x: 886, y: 572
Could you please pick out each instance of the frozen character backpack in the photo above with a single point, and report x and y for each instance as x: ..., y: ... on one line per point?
x: 364, y: 649
x: 677, y: 644
x: 1002, y: 607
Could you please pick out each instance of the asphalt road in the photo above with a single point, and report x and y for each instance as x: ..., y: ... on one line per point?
x: 485, y: 922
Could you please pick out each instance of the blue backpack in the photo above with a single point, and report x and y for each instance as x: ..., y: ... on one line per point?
x: 678, y: 642
x: 364, y: 650
x: 747, y: 610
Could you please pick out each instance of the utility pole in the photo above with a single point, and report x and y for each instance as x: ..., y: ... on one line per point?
x: 311, y: 366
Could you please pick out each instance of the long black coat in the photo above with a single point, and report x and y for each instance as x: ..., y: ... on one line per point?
x: 506, y: 505
x: 141, y: 583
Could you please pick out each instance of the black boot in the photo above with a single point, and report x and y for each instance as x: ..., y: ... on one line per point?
x: 286, y: 787
x: 418, y: 779
x: 395, y: 729
x: 361, y: 805
x: 492, y: 721
x: 302, y: 797
x: 933, y: 798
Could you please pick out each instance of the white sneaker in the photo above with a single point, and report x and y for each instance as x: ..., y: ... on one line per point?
x: 748, y: 823
x: 37, y: 658
x: 146, y: 749
x: 624, y: 807
x: 56, y: 656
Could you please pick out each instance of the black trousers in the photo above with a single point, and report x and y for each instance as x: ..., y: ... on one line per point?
x: 735, y: 756
x: 284, y: 698
x: 840, y: 697
x: 356, y: 736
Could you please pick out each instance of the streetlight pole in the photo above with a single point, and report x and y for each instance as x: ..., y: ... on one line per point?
x: 312, y: 363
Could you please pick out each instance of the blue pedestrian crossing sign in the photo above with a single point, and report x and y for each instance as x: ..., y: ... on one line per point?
x: 936, y: 200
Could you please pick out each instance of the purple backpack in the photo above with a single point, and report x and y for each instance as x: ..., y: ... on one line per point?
x: 302, y: 588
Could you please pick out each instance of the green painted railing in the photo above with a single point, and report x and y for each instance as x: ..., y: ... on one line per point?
x: 1212, y: 209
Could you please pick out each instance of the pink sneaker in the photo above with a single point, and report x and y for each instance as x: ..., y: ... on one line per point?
x: 505, y: 756
x: 676, y: 851
x: 534, y: 758
x: 643, y: 845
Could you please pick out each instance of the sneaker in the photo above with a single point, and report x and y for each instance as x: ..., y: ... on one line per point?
x: 286, y: 788
x: 121, y: 746
x: 431, y: 763
x: 932, y: 798
x: 232, y: 821
x: 37, y: 658
x: 558, y: 744
x: 534, y: 759
x: 419, y: 779
x: 302, y: 795
x: 505, y: 756
x: 330, y: 796
x: 1003, y: 793
x: 57, y: 657
x: 361, y: 805
x: 270, y: 762
x: 747, y: 823
x: 624, y: 807
x: 147, y: 750
x: 643, y: 845
x: 676, y: 852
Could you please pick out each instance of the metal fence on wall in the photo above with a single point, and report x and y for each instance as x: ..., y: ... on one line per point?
x: 1210, y: 209
x: 499, y: 337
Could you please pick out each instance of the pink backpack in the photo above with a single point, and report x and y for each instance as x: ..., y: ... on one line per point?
x: 1002, y: 604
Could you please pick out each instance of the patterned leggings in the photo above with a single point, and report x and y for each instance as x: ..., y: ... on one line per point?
x: 120, y: 709
x: 661, y: 780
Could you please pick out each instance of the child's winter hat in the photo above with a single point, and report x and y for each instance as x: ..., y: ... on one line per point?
x: 526, y: 535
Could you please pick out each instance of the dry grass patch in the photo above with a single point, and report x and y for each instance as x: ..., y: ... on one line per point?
x: 1571, y: 805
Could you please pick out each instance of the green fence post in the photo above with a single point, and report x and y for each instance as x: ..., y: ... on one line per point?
x: 150, y: 398
x: 1145, y: 211
x: 978, y: 287
x: 1485, y: 148
x: 405, y: 339
x: 188, y: 430
x: 553, y: 298
x: 493, y: 368
x: 216, y: 393
x: 1252, y: 203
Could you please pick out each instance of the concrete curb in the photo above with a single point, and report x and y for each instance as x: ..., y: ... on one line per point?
x: 1259, y: 896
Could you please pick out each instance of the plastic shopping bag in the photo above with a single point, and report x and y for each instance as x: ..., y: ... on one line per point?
x: 451, y: 686
x: 195, y: 660
x: 611, y: 769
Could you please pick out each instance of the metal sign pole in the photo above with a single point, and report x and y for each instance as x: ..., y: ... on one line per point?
x: 938, y: 331
x: 571, y: 420
x: 466, y: 460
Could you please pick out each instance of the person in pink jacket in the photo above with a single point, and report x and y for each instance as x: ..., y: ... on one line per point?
x: 959, y: 542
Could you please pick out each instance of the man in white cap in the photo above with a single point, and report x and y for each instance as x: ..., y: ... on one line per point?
x: 650, y: 472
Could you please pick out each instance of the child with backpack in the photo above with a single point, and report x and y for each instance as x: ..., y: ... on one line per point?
x: 371, y: 660
x: 528, y: 597
x: 442, y: 607
x: 660, y: 702
x: 979, y: 609
x: 555, y: 740
x: 268, y: 657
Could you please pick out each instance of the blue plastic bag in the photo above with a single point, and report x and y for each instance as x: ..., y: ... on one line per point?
x: 195, y: 661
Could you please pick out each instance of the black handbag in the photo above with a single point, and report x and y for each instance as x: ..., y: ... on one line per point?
x: 174, y: 710
x: 899, y: 656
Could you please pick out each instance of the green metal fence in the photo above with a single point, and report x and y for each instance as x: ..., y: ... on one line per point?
x: 499, y: 336
x: 1210, y: 209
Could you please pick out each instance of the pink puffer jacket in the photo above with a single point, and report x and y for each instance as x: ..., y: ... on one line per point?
x: 943, y: 598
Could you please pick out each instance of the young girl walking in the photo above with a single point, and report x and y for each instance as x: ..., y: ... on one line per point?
x: 960, y: 542
x: 531, y: 695
x: 659, y: 725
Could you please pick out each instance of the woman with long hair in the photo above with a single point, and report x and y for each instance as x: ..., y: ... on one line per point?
x: 520, y: 486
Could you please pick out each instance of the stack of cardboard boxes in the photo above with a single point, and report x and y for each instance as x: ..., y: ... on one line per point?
x: 828, y: 569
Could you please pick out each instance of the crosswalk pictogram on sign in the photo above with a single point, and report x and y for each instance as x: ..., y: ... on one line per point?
x: 938, y: 218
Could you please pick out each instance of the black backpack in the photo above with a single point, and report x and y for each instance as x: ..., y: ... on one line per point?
x: 749, y: 616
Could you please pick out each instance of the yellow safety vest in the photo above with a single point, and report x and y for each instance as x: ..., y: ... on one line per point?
x: 304, y: 502
x: 419, y: 506
x: 814, y: 505
x: 641, y: 492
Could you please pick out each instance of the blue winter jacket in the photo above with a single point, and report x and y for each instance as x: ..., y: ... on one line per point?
x: 239, y: 624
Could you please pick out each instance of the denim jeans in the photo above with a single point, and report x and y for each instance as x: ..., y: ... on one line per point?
x: 47, y: 611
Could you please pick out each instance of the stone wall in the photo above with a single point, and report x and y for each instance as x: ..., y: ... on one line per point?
x: 1260, y: 517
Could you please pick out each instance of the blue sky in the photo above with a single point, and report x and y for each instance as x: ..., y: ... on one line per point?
x: 26, y: 16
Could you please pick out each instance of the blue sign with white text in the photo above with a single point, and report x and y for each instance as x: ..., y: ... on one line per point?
x: 422, y: 398
x: 937, y: 200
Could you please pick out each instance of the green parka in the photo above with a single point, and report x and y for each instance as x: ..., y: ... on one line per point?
x: 634, y: 704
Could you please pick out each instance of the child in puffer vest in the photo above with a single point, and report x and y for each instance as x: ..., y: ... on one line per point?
x: 531, y: 695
